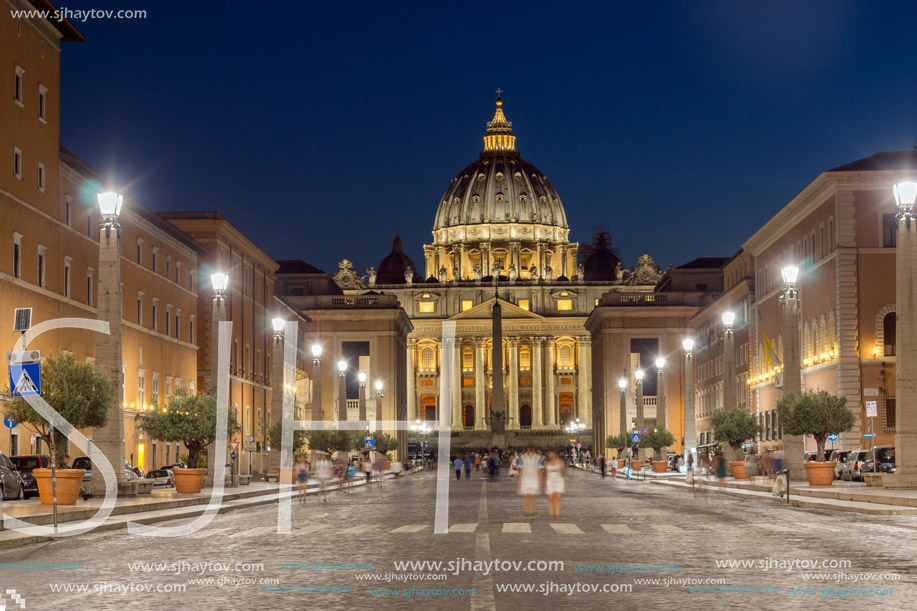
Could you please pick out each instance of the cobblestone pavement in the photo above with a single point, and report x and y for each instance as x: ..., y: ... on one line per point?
x: 351, y: 542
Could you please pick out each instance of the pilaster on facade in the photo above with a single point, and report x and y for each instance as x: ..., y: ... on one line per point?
x: 584, y: 368
x: 513, y: 347
x: 550, y: 398
x: 848, y: 299
x: 411, y: 380
x: 537, y: 396
x: 480, y: 396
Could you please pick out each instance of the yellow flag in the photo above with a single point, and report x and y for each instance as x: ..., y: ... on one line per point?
x: 768, y: 348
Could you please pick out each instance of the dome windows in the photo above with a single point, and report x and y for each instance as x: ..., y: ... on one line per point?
x: 499, y: 176
x: 517, y: 176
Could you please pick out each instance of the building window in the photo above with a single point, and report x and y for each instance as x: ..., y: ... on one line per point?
x: 564, y: 305
x: 177, y: 324
x: 155, y: 266
x: 42, y: 103
x: 41, y: 265
x: 524, y: 304
x: 192, y: 387
x: 68, y: 210
x: 191, y: 280
x: 467, y: 359
x: 889, y: 415
x: 89, y: 224
x: 141, y: 390
x: 154, y: 395
x: 139, y: 251
x: 191, y: 330
x: 805, y: 251
x: 155, y: 314
x: 89, y: 287
x: 41, y: 177
x: 168, y: 320
x: 426, y: 307
x: 565, y: 357
x: 17, y: 163
x: 821, y: 241
x: 139, y: 308
x: 17, y: 85
x: 889, y: 231
x: 426, y: 359
x: 178, y: 272
x: 168, y: 267
x: 17, y: 255
x: 525, y: 358
x: 889, y: 329
x: 168, y: 387
x: 830, y: 235
x: 467, y: 304
x: 67, y: 262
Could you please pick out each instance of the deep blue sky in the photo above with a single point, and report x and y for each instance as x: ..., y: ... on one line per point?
x: 321, y: 129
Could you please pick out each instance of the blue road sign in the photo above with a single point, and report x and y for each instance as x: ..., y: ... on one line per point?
x: 369, y: 442
x: 832, y: 437
x: 10, y: 422
x: 426, y: 444
x: 635, y: 438
x: 645, y: 430
x: 25, y: 379
x: 233, y: 455
x: 869, y: 434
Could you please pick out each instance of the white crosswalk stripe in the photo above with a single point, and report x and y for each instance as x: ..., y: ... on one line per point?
x: 567, y: 529
x: 666, y: 528
x: 463, y: 528
x: 617, y: 529
x: 517, y: 527
x: 359, y: 530
x: 255, y: 532
x: 410, y: 528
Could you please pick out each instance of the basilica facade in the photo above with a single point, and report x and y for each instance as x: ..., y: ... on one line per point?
x: 500, y: 234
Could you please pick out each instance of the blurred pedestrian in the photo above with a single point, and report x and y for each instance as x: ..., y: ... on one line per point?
x: 467, y: 467
x: 302, y: 478
x: 554, y: 482
x: 477, y: 462
x: 323, y: 472
x: 601, y: 464
x: 529, y: 482
x: 350, y: 474
x: 457, y: 463
x: 720, y: 470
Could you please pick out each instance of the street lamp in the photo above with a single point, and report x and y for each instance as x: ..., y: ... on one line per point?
x: 362, y: 378
x: 640, y: 418
x: 342, y: 390
x: 278, y: 385
x: 317, y: 382
x: 661, y: 398
x: 622, y: 385
x: 278, y: 327
x: 422, y: 429
x: 690, y: 427
x: 729, y: 361
x: 793, y: 450
x: 110, y: 438
x: 905, y: 193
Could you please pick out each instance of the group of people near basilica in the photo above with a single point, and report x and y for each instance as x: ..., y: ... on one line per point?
x: 344, y: 471
x: 532, y: 472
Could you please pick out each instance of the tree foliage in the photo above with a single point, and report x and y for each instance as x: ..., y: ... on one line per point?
x: 274, y: 438
x: 657, y: 439
x: 190, y: 419
x: 816, y: 413
x: 734, y: 426
x: 618, y: 442
x: 77, y: 391
x: 384, y: 442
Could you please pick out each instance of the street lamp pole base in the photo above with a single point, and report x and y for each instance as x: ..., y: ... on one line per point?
x: 899, y: 480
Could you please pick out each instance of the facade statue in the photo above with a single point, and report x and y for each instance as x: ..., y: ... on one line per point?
x: 619, y: 272
x: 455, y: 273
x: 548, y: 273
x: 442, y: 274
x: 580, y: 272
x: 409, y: 275
x: 477, y: 272
x: 512, y: 273
x: 533, y: 272
x: 371, y: 275
x: 496, y: 268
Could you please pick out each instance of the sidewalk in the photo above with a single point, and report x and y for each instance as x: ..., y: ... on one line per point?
x: 162, y: 505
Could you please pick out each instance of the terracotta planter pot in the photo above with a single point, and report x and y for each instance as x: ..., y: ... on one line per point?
x: 820, y: 473
x: 659, y: 466
x: 287, y: 475
x: 68, y: 485
x: 189, y: 480
x: 620, y: 463
x: 738, y: 469
x: 636, y: 465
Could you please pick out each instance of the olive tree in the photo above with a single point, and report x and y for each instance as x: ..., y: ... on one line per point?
x: 816, y: 413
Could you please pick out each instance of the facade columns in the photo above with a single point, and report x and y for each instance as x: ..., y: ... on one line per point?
x: 513, y: 344
x: 584, y: 396
x: 480, y: 397
x: 729, y: 368
x: 457, y: 408
x: 550, y: 400
x: 485, y: 259
x: 537, y: 399
x: 412, y: 380
x: 640, y: 408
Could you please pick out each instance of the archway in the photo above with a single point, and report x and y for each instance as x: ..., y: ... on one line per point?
x: 428, y: 407
x: 525, y: 416
x: 468, y: 417
x: 565, y: 401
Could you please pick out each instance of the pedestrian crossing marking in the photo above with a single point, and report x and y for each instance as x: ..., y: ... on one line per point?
x: 358, y: 530
x: 410, y: 528
x: 617, y: 529
x: 463, y: 528
x: 517, y: 527
x: 776, y: 527
x: 255, y: 532
x: 305, y: 530
x: 666, y: 528
x: 567, y: 529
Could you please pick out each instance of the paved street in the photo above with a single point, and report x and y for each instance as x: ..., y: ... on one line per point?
x: 354, y: 538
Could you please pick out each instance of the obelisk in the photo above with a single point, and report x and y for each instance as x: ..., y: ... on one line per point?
x: 498, y: 406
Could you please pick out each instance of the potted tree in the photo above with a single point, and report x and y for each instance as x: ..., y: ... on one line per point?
x: 81, y: 394
x: 735, y: 426
x: 618, y: 442
x: 657, y: 439
x: 816, y: 413
x: 192, y: 420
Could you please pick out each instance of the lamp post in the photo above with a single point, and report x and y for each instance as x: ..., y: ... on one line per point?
x: 276, y: 384
x: 220, y: 283
x: 622, y: 385
x: 793, y: 451
x: 690, y: 427
x: 342, y: 390
x: 379, y: 397
x: 729, y: 361
x: 422, y: 429
x: 905, y: 340
x: 661, y: 406
x: 362, y: 378
x: 110, y: 438
x: 639, y: 375
x: 317, y: 411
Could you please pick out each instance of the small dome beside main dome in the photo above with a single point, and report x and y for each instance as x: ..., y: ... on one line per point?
x: 393, y: 267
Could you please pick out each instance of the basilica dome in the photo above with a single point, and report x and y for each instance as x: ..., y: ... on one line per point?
x: 499, y: 188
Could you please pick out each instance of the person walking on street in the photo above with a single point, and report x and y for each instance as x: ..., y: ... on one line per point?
x: 457, y: 463
x: 554, y: 483
x: 720, y: 470
x: 324, y: 474
x: 367, y: 467
x: 529, y: 482
x: 467, y: 467
x: 602, y: 465
x: 302, y: 478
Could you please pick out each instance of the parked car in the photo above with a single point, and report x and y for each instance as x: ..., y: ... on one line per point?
x: 25, y: 464
x: 810, y: 456
x: 161, y: 477
x: 11, y: 485
x: 885, y: 462
x: 839, y: 457
x: 851, y: 469
x: 175, y: 466
x: 83, y: 462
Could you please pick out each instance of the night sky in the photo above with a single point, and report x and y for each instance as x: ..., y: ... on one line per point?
x: 321, y: 129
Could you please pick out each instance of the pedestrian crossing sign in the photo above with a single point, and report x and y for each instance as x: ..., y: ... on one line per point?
x: 635, y: 438
x: 25, y: 379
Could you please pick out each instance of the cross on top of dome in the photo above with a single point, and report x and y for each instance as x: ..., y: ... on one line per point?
x: 499, y: 131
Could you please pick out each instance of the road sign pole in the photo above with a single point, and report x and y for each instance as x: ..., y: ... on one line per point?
x: 53, y: 478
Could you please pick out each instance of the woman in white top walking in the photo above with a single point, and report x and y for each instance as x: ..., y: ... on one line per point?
x: 529, y: 482
x: 554, y: 483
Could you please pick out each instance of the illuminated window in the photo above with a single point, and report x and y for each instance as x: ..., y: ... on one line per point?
x: 467, y: 304
x: 525, y: 358
x: 467, y: 359
x: 426, y: 307
x: 596, y: 302
x: 426, y: 359
x: 564, y: 305
x: 524, y: 304
x: 565, y: 357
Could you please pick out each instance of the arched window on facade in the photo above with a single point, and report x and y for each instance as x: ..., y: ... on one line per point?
x: 525, y: 358
x: 889, y: 328
x: 565, y: 357
x: 426, y: 359
x: 467, y: 359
